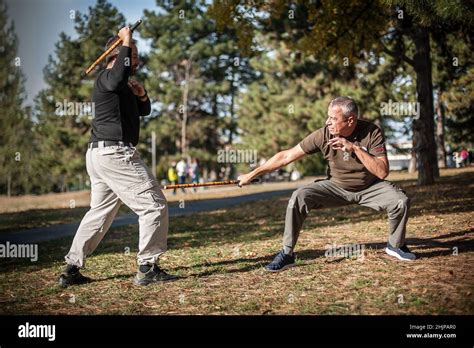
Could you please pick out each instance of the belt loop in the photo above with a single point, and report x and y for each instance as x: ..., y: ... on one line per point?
x: 101, y: 144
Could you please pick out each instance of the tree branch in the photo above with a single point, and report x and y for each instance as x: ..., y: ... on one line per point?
x: 398, y: 55
x: 354, y: 20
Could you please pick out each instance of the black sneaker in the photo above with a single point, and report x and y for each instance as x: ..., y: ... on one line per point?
x: 154, y: 275
x: 281, y: 262
x: 72, y: 276
x: 401, y: 253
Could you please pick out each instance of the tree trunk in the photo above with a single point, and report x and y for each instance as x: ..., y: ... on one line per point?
x: 423, y: 126
x: 232, y: 113
x: 232, y: 122
x: 412, y: 165
x: 440, y: 133
x: 62, y: 184
x: 184, y: 120
x: 9, y: 185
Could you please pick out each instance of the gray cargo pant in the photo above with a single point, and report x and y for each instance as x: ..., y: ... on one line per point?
x: 380, y: 195
x: 118, y: 174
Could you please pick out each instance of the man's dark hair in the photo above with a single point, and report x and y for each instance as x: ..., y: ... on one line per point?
x: 112, y: 55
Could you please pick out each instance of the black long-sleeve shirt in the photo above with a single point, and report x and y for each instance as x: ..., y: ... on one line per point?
x: 117, y: 109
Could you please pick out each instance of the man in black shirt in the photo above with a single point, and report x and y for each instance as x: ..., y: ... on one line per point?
x: 117, y: 172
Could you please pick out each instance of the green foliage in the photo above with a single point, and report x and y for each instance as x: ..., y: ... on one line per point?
x: 260, y: 77
x: 336, y: 30
x: 322, y: 28
x: 15, y: 121
x: 181, y: 33
x: 62, y: 139
x: 453, y: 78
x: 290, y: 99
x: 280, y: 109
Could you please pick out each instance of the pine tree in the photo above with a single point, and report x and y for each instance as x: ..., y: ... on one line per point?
x: 331, y: 30
x: 281, y: 108
x: 291, y: 98
x: 194, y: 73
x: 63, y: 136
x: 453, y: 79
x: 15, y: 121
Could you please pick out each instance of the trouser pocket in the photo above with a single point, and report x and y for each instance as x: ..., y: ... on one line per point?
x: 151, y: 199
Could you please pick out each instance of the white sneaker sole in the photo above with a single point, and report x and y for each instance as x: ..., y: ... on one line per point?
x: 393, y: 253
x: 281, y: 269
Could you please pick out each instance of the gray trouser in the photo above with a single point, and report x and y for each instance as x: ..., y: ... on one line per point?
x: 380, y: 195
x: 117, y: 175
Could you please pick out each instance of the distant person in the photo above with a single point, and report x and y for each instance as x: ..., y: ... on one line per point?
x: 194, y: 172
x: 181, y: 169
x: 173, y: 175
x: 295, y: 175
x: 358, y: 165
x: 457, y: 159
x: 449, y: 157
x: 464, y: 157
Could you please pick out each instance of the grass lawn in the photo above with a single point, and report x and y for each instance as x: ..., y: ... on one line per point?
x: 36, y: 218
x: 221, y: 254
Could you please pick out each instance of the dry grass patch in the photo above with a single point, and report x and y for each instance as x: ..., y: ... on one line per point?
x: 221, y: 255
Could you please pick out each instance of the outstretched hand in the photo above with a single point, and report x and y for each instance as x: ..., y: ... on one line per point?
x: 244, y: 179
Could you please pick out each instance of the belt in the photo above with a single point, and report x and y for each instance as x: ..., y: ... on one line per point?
x: 104, y: 143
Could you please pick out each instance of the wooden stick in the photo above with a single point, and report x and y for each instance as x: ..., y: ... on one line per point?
x: 212, y: 183
x: 110, y: 49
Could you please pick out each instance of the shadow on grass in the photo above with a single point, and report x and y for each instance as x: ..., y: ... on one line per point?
x: 39, y: 218
x: 423, y: 248
x: 36, y: 218
x: 453, y: 194
x: 425, y: 244
x: 264, y: 220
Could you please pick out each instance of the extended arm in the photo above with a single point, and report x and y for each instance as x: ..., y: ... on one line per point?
x: 279, y: 160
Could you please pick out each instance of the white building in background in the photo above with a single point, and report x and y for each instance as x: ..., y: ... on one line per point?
x: 399, y: 155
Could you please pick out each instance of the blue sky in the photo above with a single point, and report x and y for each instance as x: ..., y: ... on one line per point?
x: 38, y: 24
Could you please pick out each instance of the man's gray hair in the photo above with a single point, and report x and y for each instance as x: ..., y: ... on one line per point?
x: 347, y: 104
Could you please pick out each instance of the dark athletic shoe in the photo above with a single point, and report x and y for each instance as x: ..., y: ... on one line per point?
x: 281, y: 262
x: 402, y: 253
x: 72, y: 276
x: 154, y: 275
